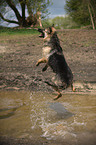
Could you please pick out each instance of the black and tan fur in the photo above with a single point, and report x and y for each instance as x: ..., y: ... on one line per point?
x: 53, y: 57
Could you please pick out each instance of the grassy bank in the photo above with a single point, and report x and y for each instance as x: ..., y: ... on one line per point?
x: 14, y: 31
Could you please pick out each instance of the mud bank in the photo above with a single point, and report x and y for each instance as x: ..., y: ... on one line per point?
x: 19, y: 54
x: 17, y: 81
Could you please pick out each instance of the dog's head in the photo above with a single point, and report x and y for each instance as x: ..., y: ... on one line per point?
x: 47, y: 33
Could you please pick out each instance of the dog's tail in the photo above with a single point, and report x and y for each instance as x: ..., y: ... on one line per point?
x: 54, y: 85
x: 50, y: 84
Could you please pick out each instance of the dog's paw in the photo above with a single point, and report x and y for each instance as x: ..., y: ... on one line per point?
x: 37, y: 64
x: 74, y: 89
x: 57, y: 97
x: 44, y: 69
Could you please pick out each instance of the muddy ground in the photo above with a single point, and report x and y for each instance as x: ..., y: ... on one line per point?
x: 19, y: 54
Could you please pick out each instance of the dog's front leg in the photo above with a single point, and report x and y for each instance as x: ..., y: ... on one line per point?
x: 42, y: 60
x: 45, y: 67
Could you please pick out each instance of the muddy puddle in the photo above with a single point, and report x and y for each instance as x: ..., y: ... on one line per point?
x: 71, y: 119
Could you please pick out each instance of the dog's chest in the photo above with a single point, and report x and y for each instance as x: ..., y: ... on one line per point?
x: 45, y: 51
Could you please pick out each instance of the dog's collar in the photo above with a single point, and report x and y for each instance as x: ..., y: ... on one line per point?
x: 54, y: 51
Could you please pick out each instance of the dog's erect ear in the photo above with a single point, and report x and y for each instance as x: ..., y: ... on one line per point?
x: 52, y: 25
x: 50, y: 30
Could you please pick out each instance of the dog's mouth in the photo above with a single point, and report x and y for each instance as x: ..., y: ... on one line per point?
x: 42, y: 33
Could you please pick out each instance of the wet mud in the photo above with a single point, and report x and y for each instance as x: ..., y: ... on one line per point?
x: 33, y: 118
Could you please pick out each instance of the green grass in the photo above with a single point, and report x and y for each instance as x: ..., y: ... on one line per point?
x: 1, y: 56
x: 13, y: 31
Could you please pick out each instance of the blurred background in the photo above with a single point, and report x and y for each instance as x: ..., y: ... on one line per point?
x: 65, y: 14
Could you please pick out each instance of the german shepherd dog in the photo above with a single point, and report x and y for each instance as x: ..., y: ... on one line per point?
x: 53, y: 57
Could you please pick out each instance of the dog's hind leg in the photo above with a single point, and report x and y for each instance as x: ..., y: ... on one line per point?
x: 56, y: 89
x: 73, y: 89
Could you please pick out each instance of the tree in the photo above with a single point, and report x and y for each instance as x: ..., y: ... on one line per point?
x: 92, y: 11
x: 35, y: 10
x: 82, y: 11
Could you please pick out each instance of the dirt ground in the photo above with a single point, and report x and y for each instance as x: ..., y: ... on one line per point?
x: 19, y: 54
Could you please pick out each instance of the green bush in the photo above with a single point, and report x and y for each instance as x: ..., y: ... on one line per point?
x: 61, y: 23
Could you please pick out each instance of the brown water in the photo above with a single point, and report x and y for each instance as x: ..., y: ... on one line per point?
x: 72, y: 118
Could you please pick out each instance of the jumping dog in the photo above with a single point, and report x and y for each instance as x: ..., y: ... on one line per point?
x: 53, y: 57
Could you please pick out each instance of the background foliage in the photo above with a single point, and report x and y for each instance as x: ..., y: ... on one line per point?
x: 82, y: 12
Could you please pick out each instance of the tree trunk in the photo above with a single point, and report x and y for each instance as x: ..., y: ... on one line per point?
x: 91, y: 17
x: 94, y: 15
x: 22, y: 3
x: 12, y: 6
